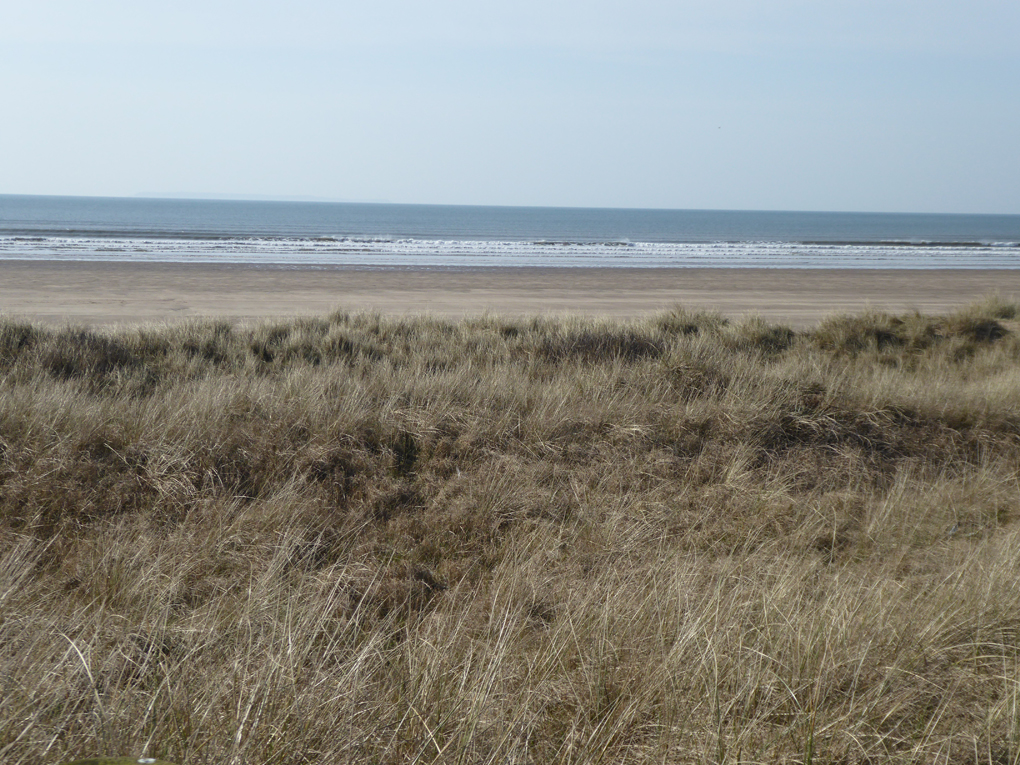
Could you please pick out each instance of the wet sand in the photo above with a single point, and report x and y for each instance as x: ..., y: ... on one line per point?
x: 116, y: 293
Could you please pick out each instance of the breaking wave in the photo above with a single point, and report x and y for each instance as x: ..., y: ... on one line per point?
x: 391, y: 253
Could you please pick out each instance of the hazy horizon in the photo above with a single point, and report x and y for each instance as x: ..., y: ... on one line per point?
x: 226, y: 197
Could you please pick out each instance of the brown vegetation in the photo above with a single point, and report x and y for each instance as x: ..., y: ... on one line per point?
x: 379, y: 540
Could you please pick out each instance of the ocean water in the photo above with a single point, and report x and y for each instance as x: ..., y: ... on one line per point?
x: 303, y: 234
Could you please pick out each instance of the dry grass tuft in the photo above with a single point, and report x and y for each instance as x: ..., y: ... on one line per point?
x: 371, y: 539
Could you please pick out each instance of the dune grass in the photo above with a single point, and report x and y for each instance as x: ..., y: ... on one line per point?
x: 362, y: 539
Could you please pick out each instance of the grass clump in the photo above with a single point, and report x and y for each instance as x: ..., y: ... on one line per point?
x: 394, y: 540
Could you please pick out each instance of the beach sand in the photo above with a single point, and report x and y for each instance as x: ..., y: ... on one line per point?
x: 116, y: 293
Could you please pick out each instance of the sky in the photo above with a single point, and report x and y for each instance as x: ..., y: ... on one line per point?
x: 891, y: 105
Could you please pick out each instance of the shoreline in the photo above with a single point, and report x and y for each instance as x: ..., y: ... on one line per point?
x: 104, y: 293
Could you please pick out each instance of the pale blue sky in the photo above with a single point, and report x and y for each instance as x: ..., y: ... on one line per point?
x: 899, y: 105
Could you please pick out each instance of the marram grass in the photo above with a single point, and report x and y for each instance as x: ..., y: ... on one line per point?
x: 361, y: 539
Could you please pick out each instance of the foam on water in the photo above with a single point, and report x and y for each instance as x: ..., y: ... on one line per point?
x: 390, y: 253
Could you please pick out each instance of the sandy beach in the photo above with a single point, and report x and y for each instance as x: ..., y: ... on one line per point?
x: 114, y: 293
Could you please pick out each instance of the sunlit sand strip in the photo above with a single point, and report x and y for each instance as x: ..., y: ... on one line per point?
x: 104, y: 293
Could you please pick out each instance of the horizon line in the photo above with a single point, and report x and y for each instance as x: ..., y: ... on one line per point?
x: 282, y: 198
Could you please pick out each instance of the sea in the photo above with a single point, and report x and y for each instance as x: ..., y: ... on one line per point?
x: 393, y: 236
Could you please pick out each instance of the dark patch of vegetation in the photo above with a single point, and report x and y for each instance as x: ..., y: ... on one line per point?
x: 599, y: 346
